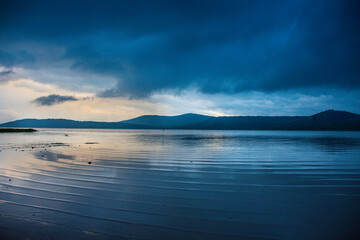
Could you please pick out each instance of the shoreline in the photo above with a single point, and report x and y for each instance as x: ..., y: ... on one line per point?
x: 16, y: 130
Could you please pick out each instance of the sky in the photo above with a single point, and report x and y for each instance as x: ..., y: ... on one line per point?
x: 114, y: 60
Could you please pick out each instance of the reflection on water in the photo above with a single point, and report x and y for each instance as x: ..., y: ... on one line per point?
x: 149, y: 184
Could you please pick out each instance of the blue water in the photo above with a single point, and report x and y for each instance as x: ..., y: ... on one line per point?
x: 150, y: 184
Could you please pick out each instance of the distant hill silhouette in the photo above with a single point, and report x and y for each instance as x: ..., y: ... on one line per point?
x: 328, y: 120
x: 64, y: 123
x: 155, y: 121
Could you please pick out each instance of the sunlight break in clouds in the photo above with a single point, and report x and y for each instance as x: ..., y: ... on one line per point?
x: 17, y: 96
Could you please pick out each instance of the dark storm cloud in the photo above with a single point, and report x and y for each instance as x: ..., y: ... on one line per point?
x: 53, y: 99
x: 215, y: 46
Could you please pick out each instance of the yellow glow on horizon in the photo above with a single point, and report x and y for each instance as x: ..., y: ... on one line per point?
x: 16, y: 96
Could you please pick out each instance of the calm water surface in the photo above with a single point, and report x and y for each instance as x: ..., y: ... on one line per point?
x: 150, y: 184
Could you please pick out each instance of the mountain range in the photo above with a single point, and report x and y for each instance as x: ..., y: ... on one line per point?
x: 329, y: 120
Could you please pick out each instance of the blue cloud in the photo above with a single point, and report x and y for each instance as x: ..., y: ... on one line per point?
x: 53, y: 99
x: 6, y: 73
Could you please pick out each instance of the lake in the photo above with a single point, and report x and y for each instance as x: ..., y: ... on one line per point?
x: 179, y: 184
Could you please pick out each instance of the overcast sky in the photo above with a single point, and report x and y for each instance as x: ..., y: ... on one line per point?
x: 113, y: 60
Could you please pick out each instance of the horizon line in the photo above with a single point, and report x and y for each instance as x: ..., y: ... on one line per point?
x: 156, y: 115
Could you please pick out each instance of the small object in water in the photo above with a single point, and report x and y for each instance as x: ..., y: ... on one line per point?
x: 42, y: 155
x: 32, y: 147
x: 9, y: 179
x: 66, y: 135
x: 33, y: 214
x: 89, y: 162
